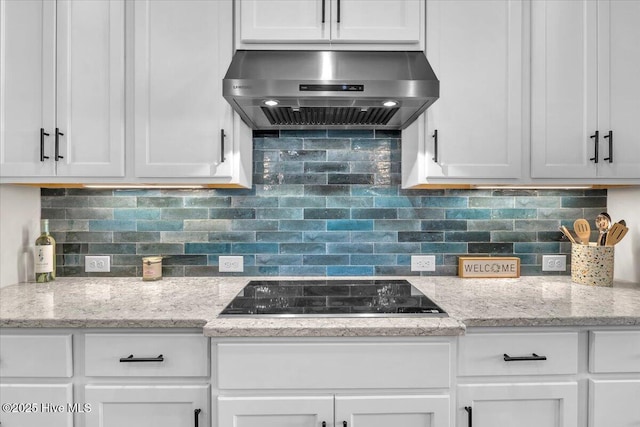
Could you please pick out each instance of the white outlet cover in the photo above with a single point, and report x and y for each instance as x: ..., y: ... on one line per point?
x: 231, y: 264
x: 554, y: 263
x: 97, y: 264
x: 423, y: 263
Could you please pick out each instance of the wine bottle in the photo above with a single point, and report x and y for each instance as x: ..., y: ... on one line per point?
x: 45, y: 254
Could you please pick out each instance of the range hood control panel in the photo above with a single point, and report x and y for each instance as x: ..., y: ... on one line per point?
x: 331, y: 88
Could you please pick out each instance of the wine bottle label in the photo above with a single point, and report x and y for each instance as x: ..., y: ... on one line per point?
x: 44, y: 259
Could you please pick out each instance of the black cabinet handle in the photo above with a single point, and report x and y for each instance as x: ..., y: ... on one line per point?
x: 596, y: 136
x: 338, y: 21
x: 324, y: 423
x: 435, y: 145
x: 222, y: 137
x: 160, y: 358
x: 323, y: 4
x: 42, y: 135
x: 533, y: 356
x: 469, y: 410
x: 610, y: 138
x: 344, y: 423
x: 57, y: 155
x: 195, y: 417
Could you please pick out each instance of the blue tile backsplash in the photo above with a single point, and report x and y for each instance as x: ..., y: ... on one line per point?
x: 322, y: 203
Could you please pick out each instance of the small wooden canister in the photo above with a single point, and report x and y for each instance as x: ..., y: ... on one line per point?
x: 592, y: 265
x: 152, y: 268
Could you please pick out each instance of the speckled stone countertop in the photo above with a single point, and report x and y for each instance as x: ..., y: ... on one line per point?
x: 194, y: 302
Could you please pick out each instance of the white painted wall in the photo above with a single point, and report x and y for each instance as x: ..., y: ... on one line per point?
x: 624, y: 203
x: 19, y: 227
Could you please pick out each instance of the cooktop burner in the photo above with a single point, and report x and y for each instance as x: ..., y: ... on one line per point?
x: 331, y: 298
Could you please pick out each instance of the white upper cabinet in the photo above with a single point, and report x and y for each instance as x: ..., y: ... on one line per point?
x: 309, y: 24
x: 62, y: 104
x: 183, y: 126
x: 585, y: 89
x: 27, y: 99
x: 475, y: 130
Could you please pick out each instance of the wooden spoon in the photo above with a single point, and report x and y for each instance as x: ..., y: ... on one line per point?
x: 616, y: 233
x: 583, y: 230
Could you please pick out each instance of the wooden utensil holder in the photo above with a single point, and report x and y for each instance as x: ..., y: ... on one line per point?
x: 592, y: 265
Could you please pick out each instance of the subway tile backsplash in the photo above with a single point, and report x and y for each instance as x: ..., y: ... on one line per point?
x: 322, y: 203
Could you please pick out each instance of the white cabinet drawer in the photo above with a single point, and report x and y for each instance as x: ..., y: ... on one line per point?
x: 36, y: 356
x: 485, y: 354
x: 333, y: 365
x: 614, y: 351
x: 146, y: 355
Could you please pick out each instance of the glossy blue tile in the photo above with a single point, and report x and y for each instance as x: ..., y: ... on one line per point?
x: 343, y: 270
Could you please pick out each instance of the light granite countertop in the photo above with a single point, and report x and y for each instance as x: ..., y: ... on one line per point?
x: 195, y: 302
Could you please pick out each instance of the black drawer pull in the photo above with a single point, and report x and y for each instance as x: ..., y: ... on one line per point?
x: 196, y: 418
x: 610, y: 138
x: 435, y: 145
x: 57, y: 148
x: 533, y: 356
x: 42, y: 135
x: 222, y: 137
x: 469, y: 410
x: 596, y: 138
x: 142, y: 359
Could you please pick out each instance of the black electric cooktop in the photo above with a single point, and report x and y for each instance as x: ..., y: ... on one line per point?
x: 331, y: 298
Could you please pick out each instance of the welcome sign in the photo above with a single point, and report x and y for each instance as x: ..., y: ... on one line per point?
x: 488, y: 267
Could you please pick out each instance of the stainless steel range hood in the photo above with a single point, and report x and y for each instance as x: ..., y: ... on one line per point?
x: 329, y: 89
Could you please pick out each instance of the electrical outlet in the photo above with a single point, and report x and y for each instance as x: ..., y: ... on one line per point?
x: 97, y: 264
x: 554, y: 263
x: 230, y: 264
x: 423, y: 263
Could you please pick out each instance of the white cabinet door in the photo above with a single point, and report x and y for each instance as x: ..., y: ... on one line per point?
x: 90, y: 88
x: 585, y: 92
x: 62, y: 88
x: 283, y: 21
x: 331, y: 21
x: 619, y: 88
x: 379, y: 21
x: 27, y: 94
x: 522, y: 405
x: 614, y: 403
x: 147, y: 406
x: 276, y: 411
x: 475, y: 48
x: 180, y: 114
x: 563, y: 89
x: 36, y: 405
x: 385, y: 411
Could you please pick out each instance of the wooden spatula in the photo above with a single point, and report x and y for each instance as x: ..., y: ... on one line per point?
x: 616, y: 233
x: 583, y: 230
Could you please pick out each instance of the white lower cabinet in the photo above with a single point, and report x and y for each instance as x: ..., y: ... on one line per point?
x: 275, y: 411
x: 518, y: 404
x: 384, y: 411
x: 372, y: 382
x: 146, y: 380
x: 352, y: 411
x: 35, y: 380
x: 614, y: 403
x: 36, y: 405
x: 614, y: 385
x: 147, y: 406
x: 508, y: 378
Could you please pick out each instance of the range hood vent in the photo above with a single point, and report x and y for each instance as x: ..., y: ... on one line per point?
x: 329, y: 89
x: 328, y: 116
